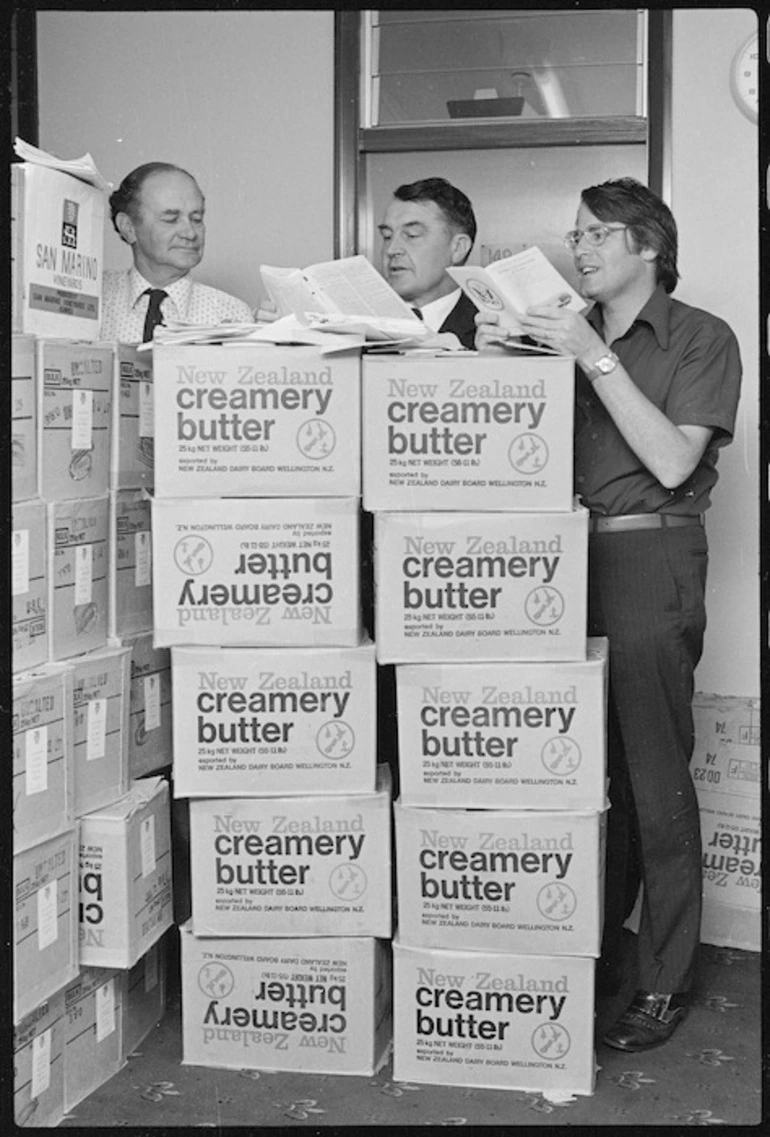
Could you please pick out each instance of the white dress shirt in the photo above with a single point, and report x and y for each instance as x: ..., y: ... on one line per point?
x: 124, y: 305
x: 435, y: 312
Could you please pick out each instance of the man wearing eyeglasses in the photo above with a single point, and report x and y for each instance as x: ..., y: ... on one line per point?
x: 656, y: 397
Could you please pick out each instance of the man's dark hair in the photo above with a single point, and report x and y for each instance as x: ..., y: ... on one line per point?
x: 125, y: 198
x: 650, y: 222
x: 452, y: 202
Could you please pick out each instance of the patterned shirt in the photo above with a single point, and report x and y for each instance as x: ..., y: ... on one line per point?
x: 124, y: 305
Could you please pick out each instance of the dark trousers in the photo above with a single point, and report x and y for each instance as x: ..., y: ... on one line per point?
x: 646, y: 594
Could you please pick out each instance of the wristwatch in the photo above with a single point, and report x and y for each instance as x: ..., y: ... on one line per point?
x: 603, y: 366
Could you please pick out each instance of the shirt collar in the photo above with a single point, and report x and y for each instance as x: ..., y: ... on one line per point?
x: 656, y: 312
x: 179, y: 291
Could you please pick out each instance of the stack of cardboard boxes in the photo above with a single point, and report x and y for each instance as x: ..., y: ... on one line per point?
x: 82, y: 831
x: 480, y: 591
x: 256, y: 564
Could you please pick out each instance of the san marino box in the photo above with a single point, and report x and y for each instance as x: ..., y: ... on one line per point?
x: 100, y: 688
x: 78, y: 576
x: 30, y: 612
x: 269, y: 421
x: 38, y: 1063
x: 130, y: 592
x: 57, y: 244
x: 295, y: 866
x: 45, y: 926
x: 256, y: 572
x: 314, y: 1006
x: 93, y: 1049
x: 493, y: 1021
x: 479, y: 587
x: 125, y: 876
x: 527, y: 881
x: 504, y: 735
x: 24, y: 421
x: 132, y: 450
x: 43, y: 772
x: 150, y: 727
x: 75, y: 392
x: 467, y: 431
x: 272, y: 722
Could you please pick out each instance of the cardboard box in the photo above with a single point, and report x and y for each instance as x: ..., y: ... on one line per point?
x: 100, y: 689
x: 38, y: 1062
x: 310, y: 866
x: 93, y: 1049
x: 726, y: 758
x: 132, y: 454
x: 45, y: 930
x: 43, y: 774
x: 500, y: 880
x: 75, y: 409
x: 274, y: 722
x: 731, y: 837
x: 29, y: 585
x: 504, y: 735
x: 57, y: 245
x: 24, y: 411
x: 480, y: 586
x: 125, y: 876
x: 130, y: 591
x: 318, y: 1006
x: 144, y: 996
x: 243, y: 419
x: 256, y: 572
x: 78, y: 576
x: 493, y: 1021
x: 150, y: 733
x: 468, y: 432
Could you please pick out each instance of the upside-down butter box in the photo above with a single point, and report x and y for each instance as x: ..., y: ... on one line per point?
x: 504, y: 735
x: 731, y: 836
x: 43, y: 772
x: 144, y: 996
x: 75, y: 407
x: 29, y: 585
x: 130, y: 592
x: 527, y: 881
x: 316, y: 1006
x: 100, y: 689
x: 24, y: 412
x: 125, y: 876
x: 256, y: 572
x: 726, y: 757
x: 467, y: 431
x: 78, y: 576
x: 45, y: 942
x: 506, y: 1021
x: 480, y: 586
x: 93, y: 1049
x: 38, y: 1061
x: 57, y: 252
x: 248, y: 419
x: 269, y: 721
x: 132, y: 452
x: 150, y: 732
x: 309, y: 866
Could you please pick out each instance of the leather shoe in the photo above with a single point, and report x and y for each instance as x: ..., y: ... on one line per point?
x: 649, y: 1021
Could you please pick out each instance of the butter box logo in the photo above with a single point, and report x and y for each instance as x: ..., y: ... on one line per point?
x: 348, y: 882
x: 193, y: 554
x: 216, y: 980
x: 556, y: 901
x: 316, y: 439
x: 561, y: 756
x: 335, y: 740
x: 528, y: 454
x: 69, y: 225
x: 551, y: 1041
x: 544, y: 606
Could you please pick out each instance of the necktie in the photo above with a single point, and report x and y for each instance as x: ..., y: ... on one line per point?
x: 417, y: 313
x: 154, y: 315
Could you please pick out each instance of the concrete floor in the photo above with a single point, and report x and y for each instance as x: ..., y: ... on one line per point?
x: 709, y: 1073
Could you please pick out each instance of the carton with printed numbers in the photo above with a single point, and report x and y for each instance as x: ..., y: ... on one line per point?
x: 24, y: 412
x: 30, y: 566
x: 93, y: 1051
x: 132, y: 450
x: 38, y: 1062
x: 130, y: 594
x: 78, y: 551
x: 43, y: 771
x: 100, y: 693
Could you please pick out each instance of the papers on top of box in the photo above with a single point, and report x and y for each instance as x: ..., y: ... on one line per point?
x: 83, y: 168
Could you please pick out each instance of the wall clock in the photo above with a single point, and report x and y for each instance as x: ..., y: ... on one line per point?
x: 744, y: 77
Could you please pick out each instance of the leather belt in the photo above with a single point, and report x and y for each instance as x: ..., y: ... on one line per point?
x: 627, y: 521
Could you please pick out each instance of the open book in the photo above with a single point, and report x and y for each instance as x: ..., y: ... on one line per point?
x: 350, y: 286
x: 513, y: 284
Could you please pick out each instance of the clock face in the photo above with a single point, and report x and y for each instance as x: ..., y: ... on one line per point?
x: 744, y: 78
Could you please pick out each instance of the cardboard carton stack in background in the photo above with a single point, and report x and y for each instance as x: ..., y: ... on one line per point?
x: 256, y: 520
x: 480, y: 603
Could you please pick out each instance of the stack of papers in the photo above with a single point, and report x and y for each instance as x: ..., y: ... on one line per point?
x: 83, y: 168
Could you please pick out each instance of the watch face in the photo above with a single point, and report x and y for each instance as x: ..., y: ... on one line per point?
x: 744, y: 77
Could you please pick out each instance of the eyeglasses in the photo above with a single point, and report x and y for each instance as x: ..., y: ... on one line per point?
x: 595, y: 235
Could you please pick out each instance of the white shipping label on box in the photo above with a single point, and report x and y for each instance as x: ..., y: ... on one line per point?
x: 256, y: 572
x: 481, y: 586
x: 504, y: 735
x: 43, y: 788
x: 132, y: 460
x: 93, y: 1051
x: 100, y: 687
x: 24, y: 419
x: 20, y: 562
x: 274, y: 722
x: 726, y: 757
x: 29, y: 566
x: 58, y: 244
x: 526, y: 881
x: 150, y: 718
x: 731, y: 841
x: 248, y: 419
x: 130, y: 563
x: 78, y: 577
x: 320, y: 1006
x: 310, y: 866
x: 38, y: 1048
x: 467, y: 432
x: 493, y: 1021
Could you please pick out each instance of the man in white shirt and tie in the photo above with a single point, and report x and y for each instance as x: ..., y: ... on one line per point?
x: 429, y: 226
x: 158, y: 209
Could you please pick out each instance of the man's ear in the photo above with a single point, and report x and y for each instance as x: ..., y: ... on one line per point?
x: 125, y: 227
x: 460, y: 248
